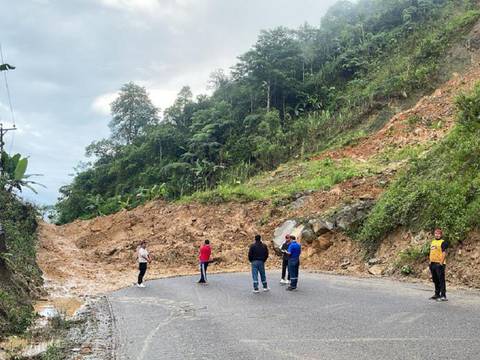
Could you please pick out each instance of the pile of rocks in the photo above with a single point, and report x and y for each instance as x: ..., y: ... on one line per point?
x: 315, y: 230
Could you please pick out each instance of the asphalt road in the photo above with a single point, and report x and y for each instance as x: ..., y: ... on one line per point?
x: 328, y: 318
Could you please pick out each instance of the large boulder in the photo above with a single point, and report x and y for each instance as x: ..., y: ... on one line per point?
x: 377, y: 270
x: 353, y: 214
x: 324, y: 242
x: 307, y: 234
x: 287, y: 227
x: 321, y: 226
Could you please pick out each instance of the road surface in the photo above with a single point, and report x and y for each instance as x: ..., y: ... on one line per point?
x: 328, y: 318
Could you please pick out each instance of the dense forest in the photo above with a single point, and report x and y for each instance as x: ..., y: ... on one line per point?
x: 293, y: 93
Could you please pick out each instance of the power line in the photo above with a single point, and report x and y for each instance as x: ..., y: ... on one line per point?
x: 12, y: 112
x: 7, y: 87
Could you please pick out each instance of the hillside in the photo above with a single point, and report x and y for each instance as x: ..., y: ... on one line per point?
x: 20, y: 277
x: 98, y: 255
x: 295, y: 92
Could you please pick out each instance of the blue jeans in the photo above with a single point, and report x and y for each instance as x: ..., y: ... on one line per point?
x: 203, y: 272
x: 293, y: 266
x: 258, y: 266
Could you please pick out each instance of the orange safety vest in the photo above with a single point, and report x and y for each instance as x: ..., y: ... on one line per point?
x: 436, y: 253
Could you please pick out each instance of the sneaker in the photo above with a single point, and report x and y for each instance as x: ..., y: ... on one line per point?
x: 141, y: 285
x: 290, y: 288
x: 266, y: 289
x: 201, y: 282
x: 434, y: 297
x: 443, y: 298
x: 283, y: 281
x: 256, y: 291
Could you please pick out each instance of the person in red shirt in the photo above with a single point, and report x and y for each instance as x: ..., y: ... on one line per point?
x: 204, y: 258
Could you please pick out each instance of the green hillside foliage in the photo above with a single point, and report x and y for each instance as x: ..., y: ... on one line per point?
x: 19, y: 274
x: 441, y: 189
x: 294, y: 92
x: 289, y: 180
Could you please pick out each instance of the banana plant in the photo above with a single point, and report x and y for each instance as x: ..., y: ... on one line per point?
x: 13, y: 173
x: 95, y: 205
x: 124, y: 203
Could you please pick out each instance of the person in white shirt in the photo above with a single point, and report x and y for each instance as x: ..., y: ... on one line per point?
x: 143, y: 259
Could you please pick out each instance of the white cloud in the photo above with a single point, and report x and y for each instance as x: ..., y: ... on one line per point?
x: 132, y: 5
x: 161, y: 98
x: 175, y: 9
x: 101, y: 104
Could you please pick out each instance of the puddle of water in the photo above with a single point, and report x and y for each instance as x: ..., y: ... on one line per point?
x: 47, y: 309
x: 55, y: 306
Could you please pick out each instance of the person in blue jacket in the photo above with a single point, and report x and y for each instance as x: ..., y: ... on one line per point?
x: 294, y: 250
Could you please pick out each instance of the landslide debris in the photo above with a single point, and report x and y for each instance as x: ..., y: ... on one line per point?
x: 95, y: 256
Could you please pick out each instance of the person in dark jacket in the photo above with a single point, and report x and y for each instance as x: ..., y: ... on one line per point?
x: 257, y: 255
x: 284, y: 249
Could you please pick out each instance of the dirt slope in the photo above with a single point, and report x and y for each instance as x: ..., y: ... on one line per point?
x: 88, y: 257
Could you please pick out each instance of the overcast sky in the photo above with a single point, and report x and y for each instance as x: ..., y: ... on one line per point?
x: 73, y: 55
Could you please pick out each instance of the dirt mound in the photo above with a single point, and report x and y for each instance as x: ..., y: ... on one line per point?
x: 89, y: 257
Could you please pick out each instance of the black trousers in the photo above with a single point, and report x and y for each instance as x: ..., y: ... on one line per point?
x: 284, y: 269
x: 203, y: 271
x: 143, y: 269
x: 438, y: 277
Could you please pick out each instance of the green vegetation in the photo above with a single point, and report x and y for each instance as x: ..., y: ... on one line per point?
x: 19, y: 274
x: 54, y: 352
x: 295, y: 92
x: 289, y: 179
x: 13, y: 173
x: 441, y: 189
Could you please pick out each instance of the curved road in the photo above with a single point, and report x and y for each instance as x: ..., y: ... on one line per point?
x: 328, y: 318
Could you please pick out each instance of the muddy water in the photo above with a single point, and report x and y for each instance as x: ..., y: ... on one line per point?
x: 61, y: 305
x: 46, y: 309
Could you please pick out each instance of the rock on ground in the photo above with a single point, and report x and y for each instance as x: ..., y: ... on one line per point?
x: 279, y: 235
x: 93, y: 338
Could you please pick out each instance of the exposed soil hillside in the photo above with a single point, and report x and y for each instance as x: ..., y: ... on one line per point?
x: 99, y: 255
x: 87, y: 257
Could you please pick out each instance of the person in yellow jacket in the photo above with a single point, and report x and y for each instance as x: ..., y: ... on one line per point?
x: 438, y: 256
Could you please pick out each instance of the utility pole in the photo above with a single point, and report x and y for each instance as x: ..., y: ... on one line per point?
x: 3, y: 131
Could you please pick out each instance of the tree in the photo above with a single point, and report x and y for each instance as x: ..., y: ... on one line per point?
x: 217, y: 80
x: 101, y: 149
x: 132, y: 114
x: 180, y: 113
x: 13, y: 173
x: 275, y: 63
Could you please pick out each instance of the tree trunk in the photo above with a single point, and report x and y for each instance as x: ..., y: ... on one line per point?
x: 3, y: 246
x: 268, y: 96
x: 303, y: 71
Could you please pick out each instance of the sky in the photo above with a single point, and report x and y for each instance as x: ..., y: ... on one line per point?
x: 72, y: 56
